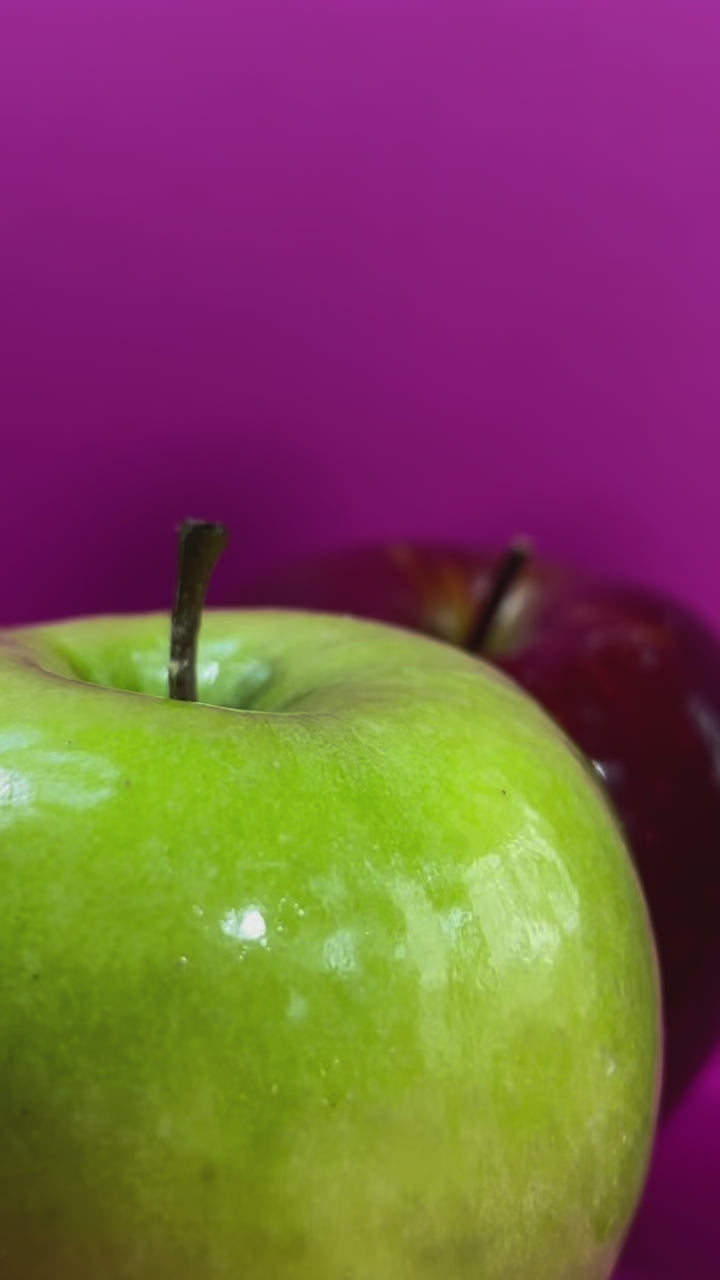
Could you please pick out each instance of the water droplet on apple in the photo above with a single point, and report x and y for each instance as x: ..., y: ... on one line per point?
x: 182, y: 961
x: 245, y: 924
x: 198, y: 911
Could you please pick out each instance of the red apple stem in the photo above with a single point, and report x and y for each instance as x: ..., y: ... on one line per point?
x: 201, y: 545
x: 516, y: 556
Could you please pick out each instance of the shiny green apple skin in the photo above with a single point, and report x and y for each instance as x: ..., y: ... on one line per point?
x: 356, y: 983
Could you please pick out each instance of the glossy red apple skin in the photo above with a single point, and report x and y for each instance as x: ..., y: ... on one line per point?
x: 633, y: 677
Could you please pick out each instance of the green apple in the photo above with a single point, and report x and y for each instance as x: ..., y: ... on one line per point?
x: 342, y: 973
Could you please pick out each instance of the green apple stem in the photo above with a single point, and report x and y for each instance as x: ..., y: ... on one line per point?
x: 516, y: 556
x: 201, y: 545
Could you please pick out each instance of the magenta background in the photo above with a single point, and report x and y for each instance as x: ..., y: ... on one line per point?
x: 342, y: 269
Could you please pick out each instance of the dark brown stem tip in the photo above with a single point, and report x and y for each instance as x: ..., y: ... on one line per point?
x: 200, y: 545
x: 514, y: 560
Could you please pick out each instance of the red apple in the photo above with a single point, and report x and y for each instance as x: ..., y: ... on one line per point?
x: 633, y: 677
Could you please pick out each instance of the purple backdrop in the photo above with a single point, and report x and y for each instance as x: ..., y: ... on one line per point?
x: 332, y: 269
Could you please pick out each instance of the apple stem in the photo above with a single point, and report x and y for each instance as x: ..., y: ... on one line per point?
x: 201, y: 544
x: 516, y: 556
